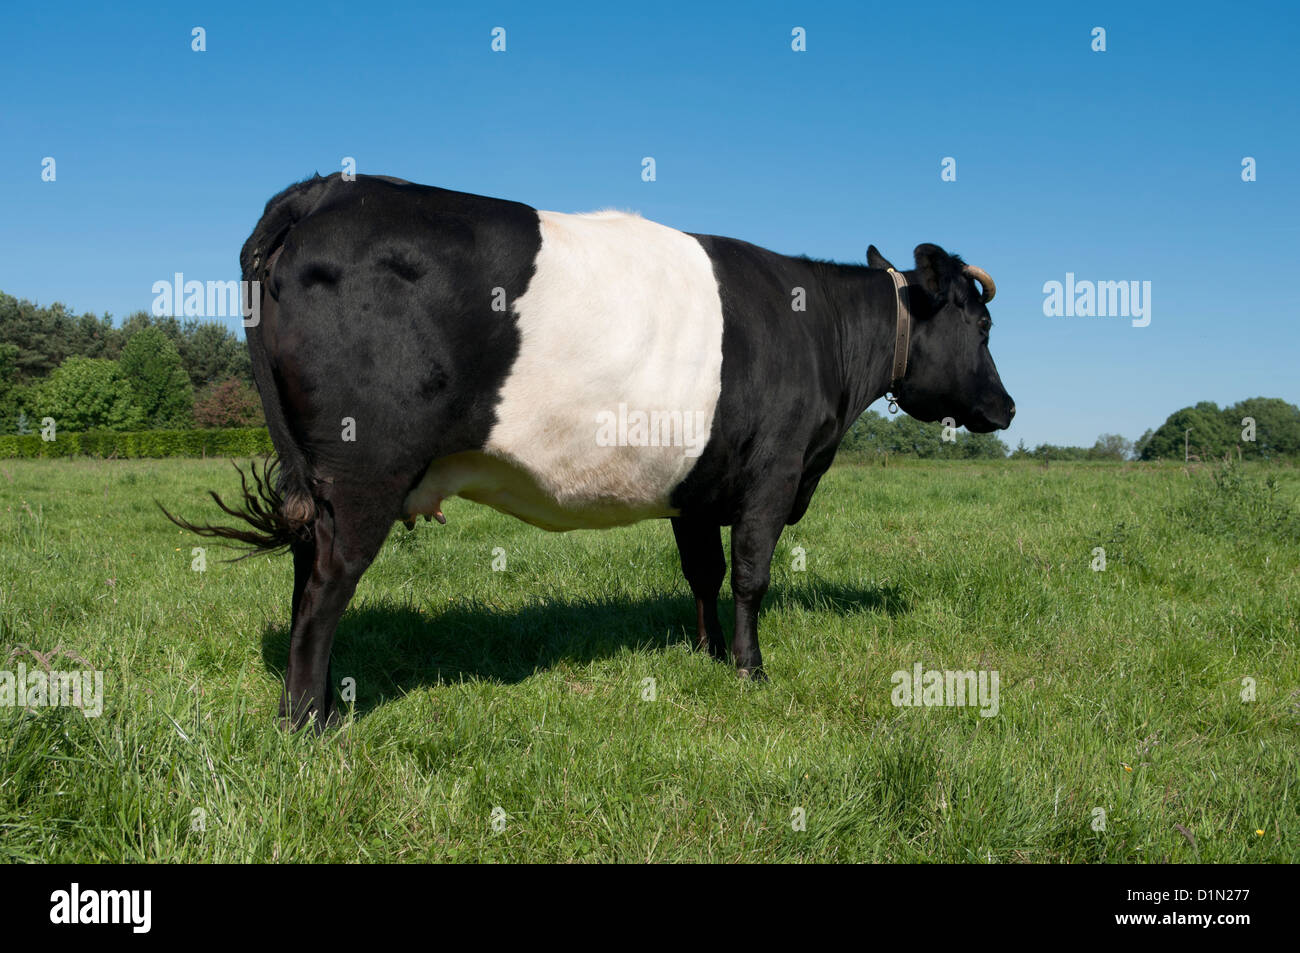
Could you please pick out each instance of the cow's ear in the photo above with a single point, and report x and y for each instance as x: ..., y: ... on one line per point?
x: 877, y: 260
x: 935, y: 268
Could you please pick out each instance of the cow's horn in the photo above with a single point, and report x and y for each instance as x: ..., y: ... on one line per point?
x: 982, y: 276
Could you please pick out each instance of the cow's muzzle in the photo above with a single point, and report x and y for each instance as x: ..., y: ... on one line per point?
x: 996, y: 418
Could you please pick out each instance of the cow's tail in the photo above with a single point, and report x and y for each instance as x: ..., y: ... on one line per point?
x: 277, y: 505
x: 269, y: 527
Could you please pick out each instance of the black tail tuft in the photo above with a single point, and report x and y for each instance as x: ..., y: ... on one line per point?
x: 277, y: 518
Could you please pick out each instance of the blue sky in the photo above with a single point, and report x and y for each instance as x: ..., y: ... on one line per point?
x: 1122, y: 165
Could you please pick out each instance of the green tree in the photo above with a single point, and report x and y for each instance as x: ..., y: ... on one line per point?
x: 87, y: 393
x: 1277, y: 427
x: 1210, y: 435
x: 980, y: 446
x: 46, y: 337
x: 1111, y: 446
x: 138, y: 321
x: 211, y: 353
x: 1140, y: 445
x: 152, y: 366
x: 866, y: 435
x: 874, y: 434
x: 1051, y: 451
x: 9, y: 397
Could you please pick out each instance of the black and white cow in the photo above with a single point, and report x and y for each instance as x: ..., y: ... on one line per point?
x: 574, y: 371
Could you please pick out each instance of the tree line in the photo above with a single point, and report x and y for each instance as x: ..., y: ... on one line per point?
x: 146, y: 373
x: 1261, y: 428
x: 874, y: 435
x: 159, y: 373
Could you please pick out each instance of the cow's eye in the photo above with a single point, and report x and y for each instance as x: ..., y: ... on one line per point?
x: 985, y: 324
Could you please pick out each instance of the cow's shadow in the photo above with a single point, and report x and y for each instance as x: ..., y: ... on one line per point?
x: 392, y: 648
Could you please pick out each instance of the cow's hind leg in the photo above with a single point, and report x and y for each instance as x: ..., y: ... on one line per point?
x: 704, y: 566
x: 304, y: 557
x: 347, y: 534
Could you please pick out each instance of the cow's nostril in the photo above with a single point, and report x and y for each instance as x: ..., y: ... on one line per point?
x: 1012, y: 411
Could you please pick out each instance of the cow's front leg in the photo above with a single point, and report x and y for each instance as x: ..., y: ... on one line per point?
x: 753, y: 540
x: 699, y: 543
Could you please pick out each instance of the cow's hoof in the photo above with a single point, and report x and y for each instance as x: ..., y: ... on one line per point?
x: 313, y: 723
x: 311, y: 720
x: 756, y: 674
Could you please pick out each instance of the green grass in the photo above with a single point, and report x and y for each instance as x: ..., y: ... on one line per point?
x: 522, y: 690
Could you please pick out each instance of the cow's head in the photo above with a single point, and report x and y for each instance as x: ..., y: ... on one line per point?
x: 950, y: 372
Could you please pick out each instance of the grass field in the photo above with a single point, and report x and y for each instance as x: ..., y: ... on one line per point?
x: 504, y: 715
